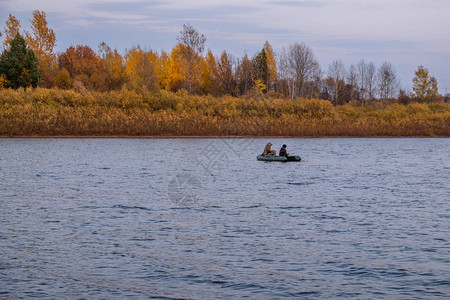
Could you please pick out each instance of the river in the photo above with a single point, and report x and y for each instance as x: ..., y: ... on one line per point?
x: 203, y: 219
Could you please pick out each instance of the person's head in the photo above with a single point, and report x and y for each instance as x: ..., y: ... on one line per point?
x: 269, y: 144
x: 284, y: 146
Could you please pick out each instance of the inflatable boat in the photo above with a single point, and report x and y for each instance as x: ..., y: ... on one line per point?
x: 278, y: 158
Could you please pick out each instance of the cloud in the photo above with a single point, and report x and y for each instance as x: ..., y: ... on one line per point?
x: 404, y: 30
x: 76, y: 9
x: 422, y: 21
x: 407, y: 20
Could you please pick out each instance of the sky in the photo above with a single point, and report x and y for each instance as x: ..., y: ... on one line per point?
x: 406, y: 33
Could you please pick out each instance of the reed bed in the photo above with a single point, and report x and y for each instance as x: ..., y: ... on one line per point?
x: 53, y: 112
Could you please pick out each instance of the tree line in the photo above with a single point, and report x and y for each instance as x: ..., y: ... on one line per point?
x: 29, y: 59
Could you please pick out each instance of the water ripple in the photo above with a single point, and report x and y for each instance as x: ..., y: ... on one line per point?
x: 93, y: 219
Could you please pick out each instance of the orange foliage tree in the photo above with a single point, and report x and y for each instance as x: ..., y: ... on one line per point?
x: 82, y: 63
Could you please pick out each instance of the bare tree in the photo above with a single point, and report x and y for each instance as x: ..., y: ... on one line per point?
x: 194, y: 43
x: 352, y: 81
x: 244, y: 74
x: 191, y: 38
x: 337, y: 72
x: 388, y: 83
x: 361, y: 69
x: 285, y: 73
x: 366, y: 79
x: 370, y: 80
x: 299, y: 66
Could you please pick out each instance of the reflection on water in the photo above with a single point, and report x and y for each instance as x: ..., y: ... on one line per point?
x: 116, y: 218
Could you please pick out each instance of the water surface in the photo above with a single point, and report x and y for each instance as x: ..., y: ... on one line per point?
x: 203, y: 219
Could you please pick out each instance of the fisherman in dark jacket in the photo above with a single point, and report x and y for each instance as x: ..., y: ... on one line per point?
x: 283, y: 151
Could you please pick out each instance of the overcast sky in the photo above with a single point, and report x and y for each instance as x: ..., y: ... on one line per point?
x: 406, y: 33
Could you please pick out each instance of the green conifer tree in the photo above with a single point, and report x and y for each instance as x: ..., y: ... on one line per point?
x: 19, y: 65
x: 261, y: 69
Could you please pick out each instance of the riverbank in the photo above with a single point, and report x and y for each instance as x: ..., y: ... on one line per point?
x: 208, y: 137
x: 61, y: 113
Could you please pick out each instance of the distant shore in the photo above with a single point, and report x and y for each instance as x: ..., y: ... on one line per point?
x: 212, y: 137
x: 51, y: 113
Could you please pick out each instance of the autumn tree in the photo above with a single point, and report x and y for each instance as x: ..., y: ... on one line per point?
x: 424, y: 86
x: 162, y: 69
x: 82, y: 64
x: 19, y: 65
x: 388, y: 84
x: 244, y: 75
x: 144, y: 75
x: 140, y: 69
x: 194, y: 44
x: 403, y: 97
x: 111, y: 68
x: 63, y: 80
x: 159, y: 61
x: 173, y: 79
x: 261, y: 68
x: 313, y: 87
x: 327, y: 91
x: 208, y: 75
x: 42, y: 41
x: 271, y: 66
x: 12, y: 28
x: 225, y: 74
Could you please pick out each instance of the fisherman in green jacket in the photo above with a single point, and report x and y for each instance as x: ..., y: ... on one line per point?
x: 268, y: 151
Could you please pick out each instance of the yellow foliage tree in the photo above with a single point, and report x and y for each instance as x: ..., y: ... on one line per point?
x: 424, y: 86
x: 140, y: 69
x: 3, y: 81
x: 112, y: 68
x: 42, y: 40
x: 208, y: 70
x: 260, y: 85
x: 12, y: 28
x: 271, y: 65
x: 161, y: 68
x: 173, y: 80
x: 258, y: 89
x: 115, y: 65
x: 63, y: 80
